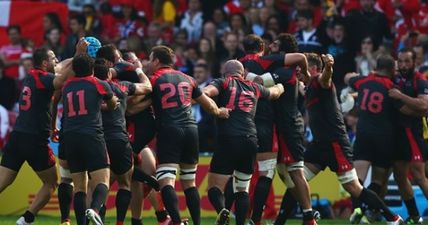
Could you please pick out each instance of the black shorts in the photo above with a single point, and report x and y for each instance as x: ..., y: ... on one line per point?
x: 234, y: 153
x: 120, y: 154
x: 337, y: 155
x: 27, y: 147
x: 266, y: 137
x: 61, y: 149
x: 85, y: 152
x: 291, y: 148
x: 141, y: 131
x: 411, y: 145
x: 375, y: 148
x: 177, y: 145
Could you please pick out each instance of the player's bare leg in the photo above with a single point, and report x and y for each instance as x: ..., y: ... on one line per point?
x: 302, y: 192
x: 101, y: 182
x: 49, y: 178
x: 187, y: 179
x: 418, y: 172
x: 401, y: 169
x: 166, y: 174
x: 266, y: 164
x: 7, y: 176
x: 136, y: 202
x: 362, y: 168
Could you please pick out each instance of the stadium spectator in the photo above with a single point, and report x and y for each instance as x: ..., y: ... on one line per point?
x: 93, y: 24
x: 77, y: 28
x: 129, y: 24
x: 308, y: 37
x: 192, y: 21
x: 10, y: 56
x: 219, y: 19
x: 53, y: 41
x: 165, y: 11
x: 366, y: 61
x: 232, y: 50
x: 367, y: 22
x: 50, y: 21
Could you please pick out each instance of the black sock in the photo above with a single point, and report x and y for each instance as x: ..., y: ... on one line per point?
x: 288, y: 206
x: 170, y: 200
x: 99, y: 197
x: 229, y: 196
x: 193, y: 204
x: 102, y: 212
x: 373, y: 201
x: 376, y: 188
x: 161, y: 215
x: 242, y: 205
x: 65, y: 195
x: 28, y: 216
x: 123, y: 198
x: 136, y: 221
x: 80, y: 207
x: 309, y: 215
x: 261, y: 192
x: 412, y: 209
x: 216, y: 197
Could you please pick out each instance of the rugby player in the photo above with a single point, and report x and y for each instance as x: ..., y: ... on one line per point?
x: 237, y: 138
x: 177, y: 137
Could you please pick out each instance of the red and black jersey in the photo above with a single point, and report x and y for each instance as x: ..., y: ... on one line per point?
x: 287, y: 114
x: 114, y: 121
x: 325, y: 117
x: 34, y: 104
x: 413, y: 87
x: 82, y: 98
x: 377, y: 111
x: 241, y: 96
x: 172, y: 96
x: 259, y: 65
x: 126, y: 72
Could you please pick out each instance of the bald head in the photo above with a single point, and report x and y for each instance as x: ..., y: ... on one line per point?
x: 233, y: 68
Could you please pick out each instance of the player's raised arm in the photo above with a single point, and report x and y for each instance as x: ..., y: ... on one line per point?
x: 145, y: 87
x: 418, y: 104
x: 327, y: 73
x: 299, y: 59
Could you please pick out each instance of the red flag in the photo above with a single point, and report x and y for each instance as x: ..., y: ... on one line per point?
x: 29, y: 15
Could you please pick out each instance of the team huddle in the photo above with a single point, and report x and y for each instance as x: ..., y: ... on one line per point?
x: 112, y: 109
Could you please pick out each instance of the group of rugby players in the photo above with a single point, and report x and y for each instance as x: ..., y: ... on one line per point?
x: 107, y: 122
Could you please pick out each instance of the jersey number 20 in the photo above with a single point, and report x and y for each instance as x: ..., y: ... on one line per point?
x: 185, y: 100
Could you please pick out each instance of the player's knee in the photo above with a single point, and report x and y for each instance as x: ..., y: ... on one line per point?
x: 166, y: 173
x: 348, y: 177
x: 64, y: 173
x: 241, y: 181
x: 188, y: 174
x: 267, y: 167
x: 288, y: 181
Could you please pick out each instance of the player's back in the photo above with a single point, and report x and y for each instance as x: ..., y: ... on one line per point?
x: 172, y: 96
x: 376, y: 110
x: 114, y: 121
x: 241, y: 97
x: 82, y: 98
x: 325, y: 117
x: 34, y: 104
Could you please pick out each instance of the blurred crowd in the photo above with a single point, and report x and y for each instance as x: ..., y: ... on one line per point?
x: 206, y: 33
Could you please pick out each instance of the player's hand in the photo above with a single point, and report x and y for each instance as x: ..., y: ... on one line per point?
x: 395, y: 93
x: 328, y: 60
x: 224, y: 113
x: 280, y: 88
x: 117, y: 101
x: 81, y: 46
x: 55, y: 135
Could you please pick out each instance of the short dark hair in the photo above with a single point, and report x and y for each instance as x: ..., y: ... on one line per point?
x: 253, y: 44
x: 80, y: 19
x: 40, y: 55
x: 306, y: 13
x: 83, y: 65
x: 405, y: 50
x: 164, y: 54
x: 101, y: 69
x: 201, y: 65
x: 14, y: 27
x: 288, y: 43
x: 107, y: 52
x: 314, y: 60
x: 385, y: 62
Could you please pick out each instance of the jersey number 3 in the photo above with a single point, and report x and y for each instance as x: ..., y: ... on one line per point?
x: 372, y: 101
x: 26, y: 98
x: 82, y: 107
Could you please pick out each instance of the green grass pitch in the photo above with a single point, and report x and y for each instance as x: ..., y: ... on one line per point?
x: 47, y: 220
